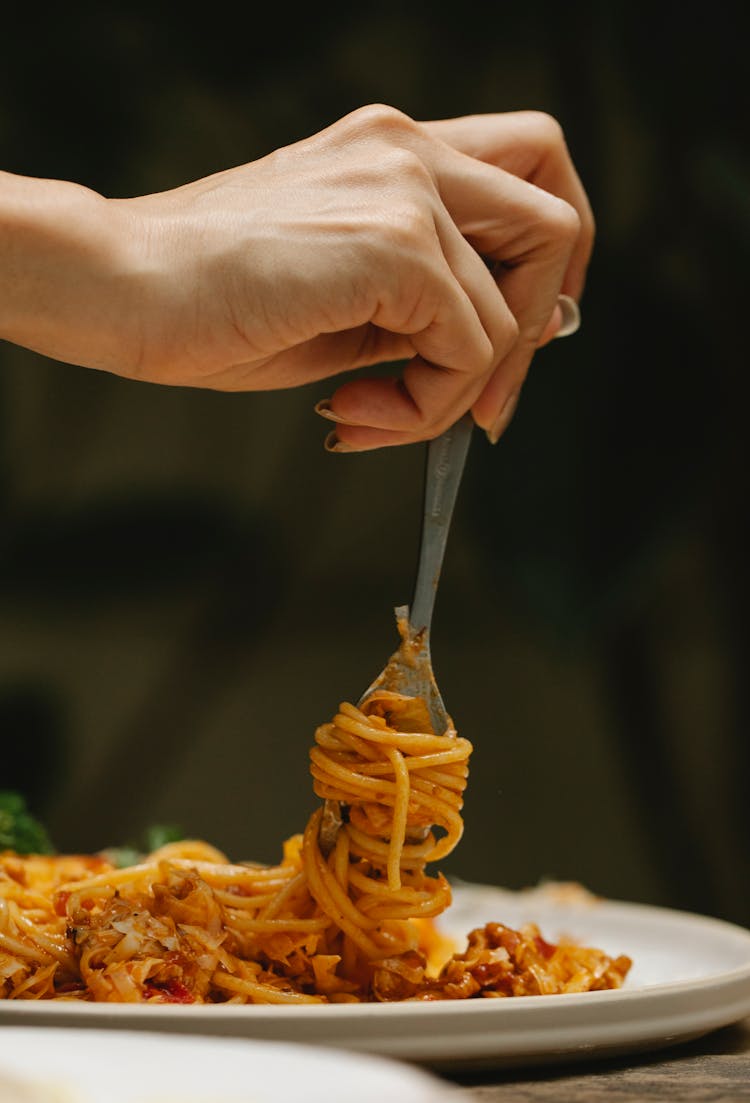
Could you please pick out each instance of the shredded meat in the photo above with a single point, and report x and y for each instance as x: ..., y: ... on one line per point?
x: 499, y: 961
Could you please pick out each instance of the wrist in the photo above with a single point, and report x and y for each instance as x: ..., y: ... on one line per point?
x: 63, y: 264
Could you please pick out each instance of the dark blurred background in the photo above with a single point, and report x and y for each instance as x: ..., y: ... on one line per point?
x: 189, y: 584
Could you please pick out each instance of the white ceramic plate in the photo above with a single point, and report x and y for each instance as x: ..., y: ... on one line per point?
x: 691, y: 975
x: 45, y: 1065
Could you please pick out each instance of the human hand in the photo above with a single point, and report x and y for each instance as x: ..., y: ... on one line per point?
x: 358, y: 245
x: 530, y: 145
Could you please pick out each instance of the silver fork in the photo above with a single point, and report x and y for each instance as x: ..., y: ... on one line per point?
x: 409, y: 669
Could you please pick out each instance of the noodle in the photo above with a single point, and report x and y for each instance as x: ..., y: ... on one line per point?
x: 342, y: 918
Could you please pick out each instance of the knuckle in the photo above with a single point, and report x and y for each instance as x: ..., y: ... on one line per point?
x: 428, y: 420
x: 408, y: 225
x: 547, y: 131
x: 406, y: 165
x: 429, y: 428
x: 381, y: 120
x: 504, y: 335
x: 563, y: 220
x: 486, y: 355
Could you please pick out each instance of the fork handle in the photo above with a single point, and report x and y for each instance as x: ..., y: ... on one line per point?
x: 446, y: 456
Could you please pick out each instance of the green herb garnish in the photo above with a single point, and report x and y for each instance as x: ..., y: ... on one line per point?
x: 19, y: 830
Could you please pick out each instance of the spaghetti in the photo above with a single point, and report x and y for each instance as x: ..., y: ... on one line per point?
x: 346, y: 919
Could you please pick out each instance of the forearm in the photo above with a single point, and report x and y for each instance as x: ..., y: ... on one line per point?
x: 63, y: 270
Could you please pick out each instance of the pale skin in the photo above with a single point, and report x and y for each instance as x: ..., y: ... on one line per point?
x: 446, y: 244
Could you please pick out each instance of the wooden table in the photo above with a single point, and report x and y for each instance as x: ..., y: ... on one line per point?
x: 714, y: 1069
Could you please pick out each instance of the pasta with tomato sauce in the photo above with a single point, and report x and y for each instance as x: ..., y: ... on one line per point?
x: 345, y: 916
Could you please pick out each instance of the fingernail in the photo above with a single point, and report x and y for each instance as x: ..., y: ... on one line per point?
x: 333, y: 444
x: 505, y: 418
x: 324, y: 409
x: 571, y: 316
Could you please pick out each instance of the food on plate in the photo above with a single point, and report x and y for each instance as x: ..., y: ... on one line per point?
x: 346, y: 916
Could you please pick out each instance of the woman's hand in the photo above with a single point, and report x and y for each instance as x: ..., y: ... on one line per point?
x: 361, y: 244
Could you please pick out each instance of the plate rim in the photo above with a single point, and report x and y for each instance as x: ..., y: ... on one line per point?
x: 511, y: 1031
